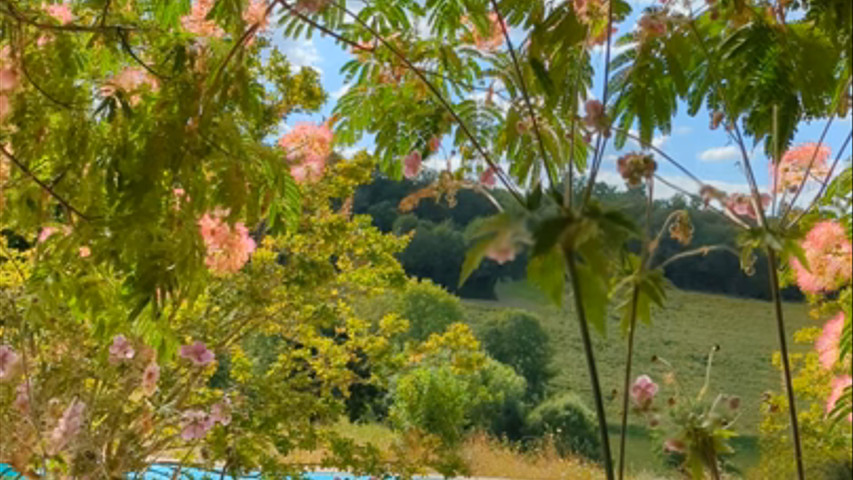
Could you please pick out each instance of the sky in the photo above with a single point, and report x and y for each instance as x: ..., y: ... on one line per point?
x: 706, y: 153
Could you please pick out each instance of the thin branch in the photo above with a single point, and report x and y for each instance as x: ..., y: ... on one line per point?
x: 525, y: 93
x: 305, y: 18
x: 714, y: 209
x: 444, y: 102
x: 825, y: 182
x: 40, y: 183
x: 41, y: 90
x: 127, y: 48
x: 698, y: 251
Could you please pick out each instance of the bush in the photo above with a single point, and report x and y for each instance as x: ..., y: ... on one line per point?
x: 429, y: 309
x: 441, y: 401
x: 570, y: 423
x: 517, y: 339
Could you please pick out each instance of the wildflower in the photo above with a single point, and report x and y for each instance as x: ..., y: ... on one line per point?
x: 121, y: 349
x: 256, y: 14
x: 196, y: 425
x: 590, y: 10
x: 221, y: 412
x: 643, y: 391
x: 197, y: 353
x: 228, y: 248
x: 790, y: 173
x: 488, y: 177
x: 673, y: 445
x: 652, y: 26
x: 412, y: 164
x: 307, y: 146
x: 742, y: 204
x: 8, y: 362
x: 635, y: 167
x: 681, y: 230
x: 829, y: 254
x: 59, y: 11
x: 838, y: 386
x: 84, y: 252
x: 132, y: 81
x: 494, y: 35
x: 68, y: 426
x: 595, y: 118
x: 150, y: 377
x: 45, y: 233
x: 434, y: 143
x: 827, y: 344
x: 312, y: 6
x: 503, y: 249
x: 196, y: 21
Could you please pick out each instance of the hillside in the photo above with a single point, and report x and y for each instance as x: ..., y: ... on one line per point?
x: 683, y: 334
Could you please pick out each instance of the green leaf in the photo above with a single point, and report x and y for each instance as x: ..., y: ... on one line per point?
x: 547, y: 272
x: 473, y: 258
x: 593, y: 289
x: 542, y: 75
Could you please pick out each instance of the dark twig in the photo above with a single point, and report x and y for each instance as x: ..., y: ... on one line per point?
x: 40, y: 183
x: 305, y: 18
x: 122, y: 35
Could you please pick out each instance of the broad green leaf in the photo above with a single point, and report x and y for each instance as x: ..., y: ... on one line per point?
x: 548, y: 272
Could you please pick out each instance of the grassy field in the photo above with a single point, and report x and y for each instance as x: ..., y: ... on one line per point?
x: 683, y: 334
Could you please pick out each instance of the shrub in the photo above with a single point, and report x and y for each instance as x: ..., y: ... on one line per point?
x: 498, y: 405
x: 569, y: 422
x: 517, y: 339
x: 428, y: 308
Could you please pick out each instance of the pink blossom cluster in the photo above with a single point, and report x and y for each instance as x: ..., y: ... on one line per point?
x: 652, y: 26
x: 590, y: 10
x: 196, y: 21
x: 412, y: 164
x: 61, y: 12
x: 312, y: 6
x: 838, y: 386
x: 742, y: 204
x: 307, y: 146
x: 256, y: 14
x: 228, y: 247
x: 636, y: 167
x: 132, y: 81
x: 68, y: 426
x: 196, y: 423
x: 10, y: 78
x: 790, y: 173
x: 9, y: 360
x: 121, y: 350
x: 643, y: 392
x: 829, y: 254
x: 595, y: 118
x: 488, y: 178
x: 197, y: 353
x: 503, y: 249
x: 494, y: 37
x: 150, y: 377
x: 827, y: 344
x: 22, y: 397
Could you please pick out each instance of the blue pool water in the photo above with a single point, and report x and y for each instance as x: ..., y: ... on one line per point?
x: 162, y: 472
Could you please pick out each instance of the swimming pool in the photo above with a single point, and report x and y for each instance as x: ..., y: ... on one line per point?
x: 163, y: 472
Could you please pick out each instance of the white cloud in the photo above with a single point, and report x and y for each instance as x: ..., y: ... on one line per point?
x: 683, y: 130
x: 615, y: 50
x: 302, y: 53
x: 337, y: 94
x: 720, y: 154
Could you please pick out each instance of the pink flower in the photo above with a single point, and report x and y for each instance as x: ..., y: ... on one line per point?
x: 8, y: 362
x: 595, y: 118
x: 838, y: 386
x: 45, y: 233
x: 652, y: 26
x: 312, y: 6
x: 121, y: 349
x: 5, y: 107
x: 741, y: 204
x: 150, y: 377
x: 228, y: 248
x: 636, y: 167
x: 307, y: 146
x: 412, y: 164
x: 85, y: 252
x: 9, y: 77
x: 197, y: 353
x: 132, y: 81
x: 68, y: 426
x: 488, y: 177
x: 673, y: 445
x: 830, y: 258
x: 196, y: 21
x: 434, y: 143
x: 827, y: 344
x: 502, y: 250
x: 60, y: 11
x: 221, y: 412
x: 256, y: 13
x: 22, y: 397
x: 643, y: 391
x: 196, y: 425
x: 791, y: 170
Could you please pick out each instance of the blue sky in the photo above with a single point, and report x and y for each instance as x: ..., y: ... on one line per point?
x: 706, y: 153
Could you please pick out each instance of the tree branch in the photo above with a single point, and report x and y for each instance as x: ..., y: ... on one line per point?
x: 40, y: 183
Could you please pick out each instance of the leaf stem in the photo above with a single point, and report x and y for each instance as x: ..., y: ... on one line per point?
x: 590, y: 362
x: 772, y: 265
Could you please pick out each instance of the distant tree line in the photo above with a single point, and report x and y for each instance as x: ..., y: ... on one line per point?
x: 439, y: 240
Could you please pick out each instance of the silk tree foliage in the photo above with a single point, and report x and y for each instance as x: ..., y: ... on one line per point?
x: 86, y: 153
